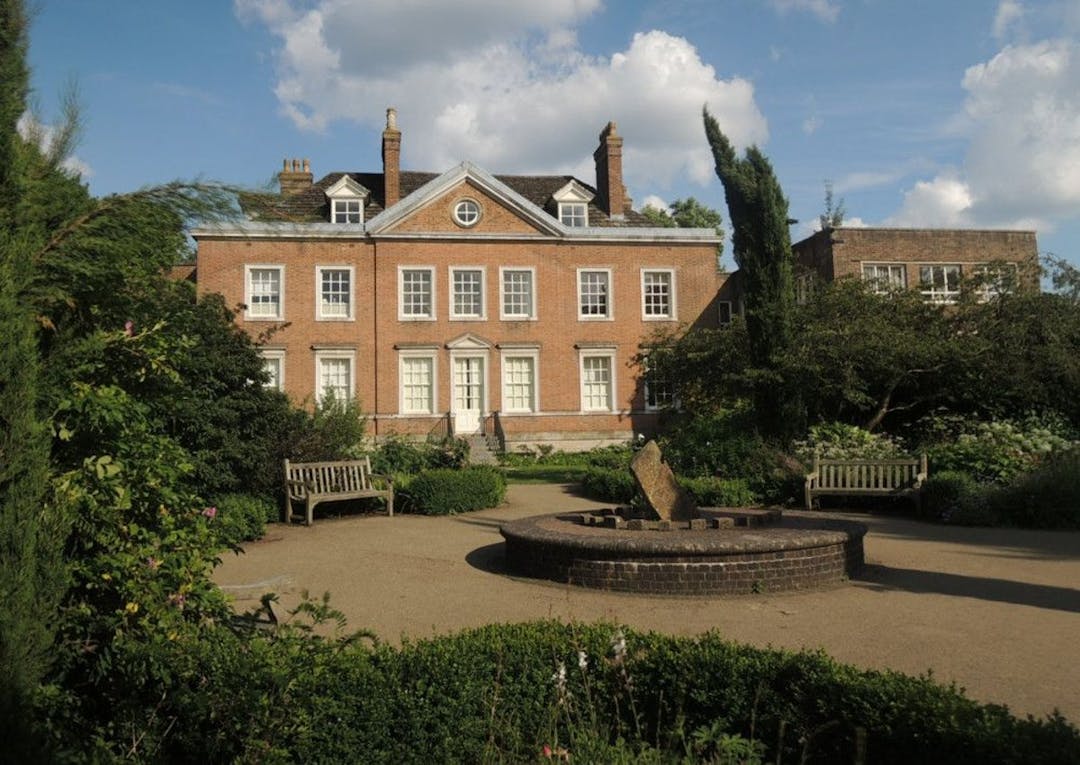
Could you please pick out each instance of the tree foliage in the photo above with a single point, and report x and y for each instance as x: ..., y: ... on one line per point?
x: 688, y: 213
x: 761, y: 245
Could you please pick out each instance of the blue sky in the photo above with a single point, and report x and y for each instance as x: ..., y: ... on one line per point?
x: 920, y: 112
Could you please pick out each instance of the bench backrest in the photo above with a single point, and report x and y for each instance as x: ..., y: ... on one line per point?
x: 883, y: 475
x: 331, y: 477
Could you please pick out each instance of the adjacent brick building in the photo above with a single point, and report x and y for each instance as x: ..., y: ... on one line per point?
x: 465, y: 302
x: 934, y: 261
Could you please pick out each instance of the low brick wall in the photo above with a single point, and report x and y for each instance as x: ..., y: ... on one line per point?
x: 795, y: 554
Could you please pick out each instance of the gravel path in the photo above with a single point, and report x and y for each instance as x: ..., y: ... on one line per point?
x: 996, y: 611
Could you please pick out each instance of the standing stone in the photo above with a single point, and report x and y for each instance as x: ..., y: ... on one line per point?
x: 657, y: 483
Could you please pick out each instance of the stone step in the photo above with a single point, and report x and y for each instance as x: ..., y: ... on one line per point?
x: 481, y: 451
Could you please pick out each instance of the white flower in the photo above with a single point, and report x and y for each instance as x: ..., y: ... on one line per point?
x: 582, y: 661
x: 618, y: 646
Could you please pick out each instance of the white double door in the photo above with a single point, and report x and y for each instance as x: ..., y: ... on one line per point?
x: 468, y: 394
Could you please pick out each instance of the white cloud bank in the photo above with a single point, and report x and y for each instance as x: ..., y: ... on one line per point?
x: 503, y: 84
x: 1022, y: 167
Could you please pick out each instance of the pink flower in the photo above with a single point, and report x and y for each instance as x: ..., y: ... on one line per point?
x: 153, y: 563
x: 177, y: 599
x: 210, y: 512
x: 546, y: 751
x: 129, y: 328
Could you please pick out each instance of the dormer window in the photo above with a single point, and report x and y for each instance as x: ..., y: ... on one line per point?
x: 573, y: 203
x: 574, y: 214
x: 347, y: 199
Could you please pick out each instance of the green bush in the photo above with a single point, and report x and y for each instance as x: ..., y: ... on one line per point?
x: 955, y: 497
x: 1046, y: 498
x: 999, y: 451
x: 397, y: 454
x: 242, y: 517
x: 840, y: 441
x: 444, y: 491
x: 503, y: 693
x: 719, y: 492
x: 609, y: 485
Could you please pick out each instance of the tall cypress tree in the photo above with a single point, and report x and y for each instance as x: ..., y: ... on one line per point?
x: 761, y: 246
x: 31, y: 569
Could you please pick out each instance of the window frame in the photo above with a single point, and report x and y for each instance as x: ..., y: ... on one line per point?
x: 672, y: 312
x: 597, y: 353
x: 346, y: 201
x: 720, y: 320
x: 568, y: 214
x: 508, y: 355
x: 647, y: 389
x: 334, y: 354
x: 503, y: 314
x: 452, y: 293
x: 350, y: 314
x: 433, y: 311
x: 430, y: 356
x: 249, y: 269
x: 609, y: 297
x: 994, y: 281
x: 275, y: 355
x: 457, y: 210
x: 881, y: 286
x: 941, y: 297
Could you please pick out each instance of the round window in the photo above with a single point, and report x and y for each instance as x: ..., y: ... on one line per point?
x: 467, y: 212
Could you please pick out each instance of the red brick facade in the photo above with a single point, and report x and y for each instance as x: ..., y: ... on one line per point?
x: 554, y: 376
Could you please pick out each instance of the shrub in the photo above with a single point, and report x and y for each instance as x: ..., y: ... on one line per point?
x: 839, y: 441
x: 613, y: 457
x: 1046, y: 498
x: 719, y: 492
x: 444, y: 491
x: 242, y: 517
x: 397, y: 454
x: 999, y: 451
x: 609, y: 485
x: 955, y: 497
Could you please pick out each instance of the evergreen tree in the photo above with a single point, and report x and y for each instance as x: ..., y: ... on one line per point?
x: 31, y: 571
x: 762, y: 249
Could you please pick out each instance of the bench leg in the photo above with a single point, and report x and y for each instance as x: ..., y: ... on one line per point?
x: 310, y: 512
x: 390, y: 504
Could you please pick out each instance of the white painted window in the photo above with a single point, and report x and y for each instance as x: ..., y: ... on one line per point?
x: 575, y: 214
x: 723, y: 312
x: 335, y: 287
x: 940, y: 283
x: 417, y: 384
x: 518, y: 287
x: 347, y: 211
x: 467, y: 213
x: 466, y: 293
x: 659, y: 391
x: 658, y: 293
x: 594, y: 294
x: 274, y: 365
x: 885, y: 277
x: 416, y: 287
x: 994, y: 279
x: 519, y: 382
x: 597, y: 382
x: 265, y: 292
x: 334, y: 375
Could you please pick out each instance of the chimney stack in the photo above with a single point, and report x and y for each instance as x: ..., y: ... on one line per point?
x: 391, y: 159
x: 609, y: 182
x: 295, y: 177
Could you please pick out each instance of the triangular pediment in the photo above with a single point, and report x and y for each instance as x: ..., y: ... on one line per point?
x: 345, y: 186
x: 469, y: 342
x: 573, y: 192
x: 466, y: 180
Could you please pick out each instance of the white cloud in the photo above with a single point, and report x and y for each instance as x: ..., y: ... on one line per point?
x: 31, y: 130
x: 811, y: 124
x: 1022, y: 166
x: 503, y: 84
x: 826, y: 10
x: 654, y: 201
x: 1009, y: 12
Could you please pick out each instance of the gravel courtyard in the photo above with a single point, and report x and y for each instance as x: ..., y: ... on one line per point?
x: 995, y: 610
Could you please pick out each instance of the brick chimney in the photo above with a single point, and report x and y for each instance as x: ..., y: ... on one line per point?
x: 391, y: 159
x: 295, y: 177
x: 611, y: 194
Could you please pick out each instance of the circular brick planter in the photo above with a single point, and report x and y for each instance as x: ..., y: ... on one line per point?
x: 790, y: 554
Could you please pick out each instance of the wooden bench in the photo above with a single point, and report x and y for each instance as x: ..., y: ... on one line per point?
x: 903, y: 476
x: 315, y: 482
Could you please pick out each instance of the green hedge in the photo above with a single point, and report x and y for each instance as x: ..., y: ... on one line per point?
x: 617, y: 485
x: 502, y: 693
x: 444, y: 491
x: 242, y: 517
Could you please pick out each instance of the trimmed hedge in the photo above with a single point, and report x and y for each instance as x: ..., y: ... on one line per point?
x: 242, y: 517
x: 503, y: 692
x: 617, y: 485
x: 444, y: 491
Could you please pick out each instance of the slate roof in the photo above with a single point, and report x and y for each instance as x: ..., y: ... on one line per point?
x: 312, y: 206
